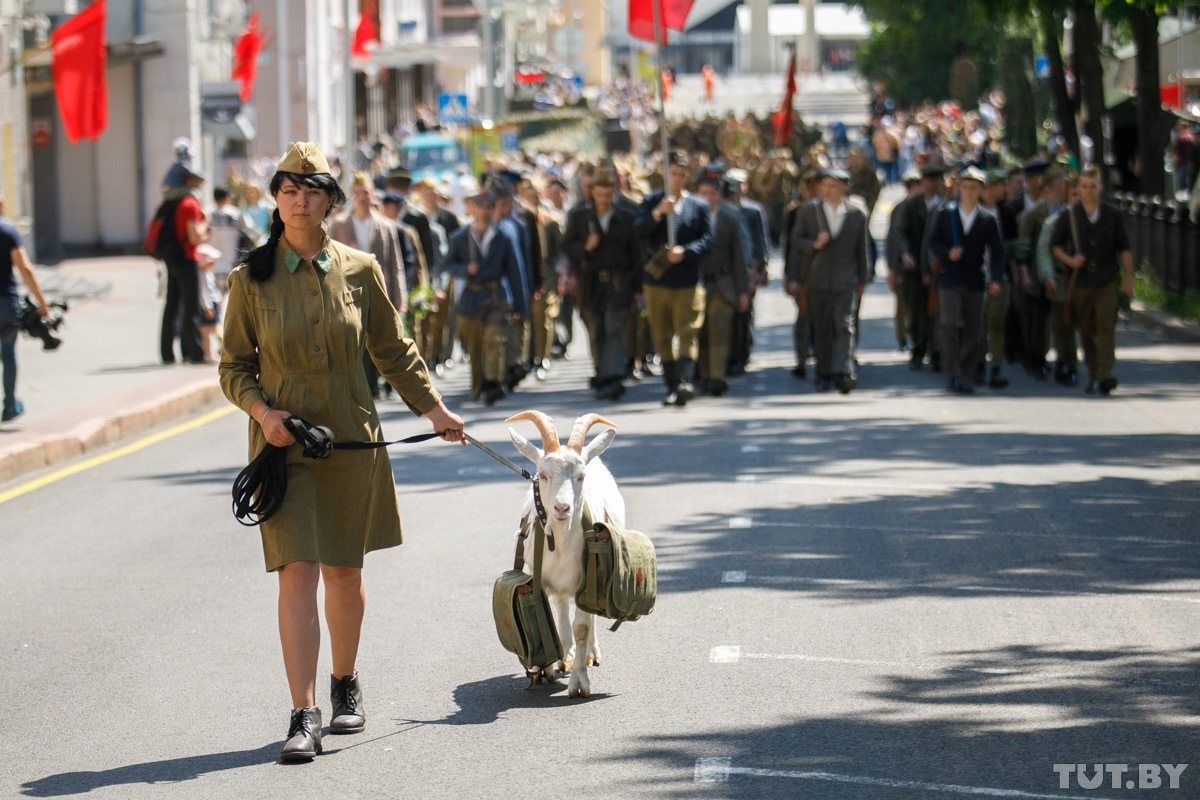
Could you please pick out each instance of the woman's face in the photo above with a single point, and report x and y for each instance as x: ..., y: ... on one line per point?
x: 301, y: 206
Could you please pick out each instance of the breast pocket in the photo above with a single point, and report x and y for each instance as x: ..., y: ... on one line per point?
x: 353, y: 307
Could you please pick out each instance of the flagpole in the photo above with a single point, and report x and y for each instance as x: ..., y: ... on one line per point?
x: 662, y: 118
x: 351, y: 130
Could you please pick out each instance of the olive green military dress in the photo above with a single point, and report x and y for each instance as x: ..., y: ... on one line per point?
x: 296, y: 341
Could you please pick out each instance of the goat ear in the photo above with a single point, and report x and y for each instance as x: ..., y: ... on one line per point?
x: 598, y: 445
x: 523, y: 445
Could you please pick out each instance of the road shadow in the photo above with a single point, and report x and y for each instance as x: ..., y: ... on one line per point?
x: 486, y: 701
x: 171, y: 770
x: 962, y: 725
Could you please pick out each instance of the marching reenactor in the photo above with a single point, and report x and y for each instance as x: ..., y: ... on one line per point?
x: 1035, y: 305
x: 605, y: 260
x: 493, y: 295
x: 995, y: 307
x: 671, y: 286
x: 512, y: 226
x: 809, y: 192
x: 967, y: 244
x: 1091, y: 242
x: 726, y: 285
x: 827, y: 273
x: 892, y: 250
x: 912, y: 255
x: 1049, y: 270
x: 754, y: 216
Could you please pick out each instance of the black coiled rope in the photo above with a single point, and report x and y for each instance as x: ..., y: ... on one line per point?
x: 258, y: 490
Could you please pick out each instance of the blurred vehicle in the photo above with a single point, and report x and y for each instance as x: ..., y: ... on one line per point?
x: 432, y: 155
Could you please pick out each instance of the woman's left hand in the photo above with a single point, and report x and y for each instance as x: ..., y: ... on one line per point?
x: 446, y: 424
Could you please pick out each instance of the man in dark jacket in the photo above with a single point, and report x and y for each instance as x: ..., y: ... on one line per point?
x: 827, y: 273
x: 671, y: 285
x: 605, y: 262
x: 966, y: 241
x: 1091, y: 242
x: 726, y: 283
x: 911, y: 243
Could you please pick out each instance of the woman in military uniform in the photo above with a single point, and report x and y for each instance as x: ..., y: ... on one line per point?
x: 302, y: 311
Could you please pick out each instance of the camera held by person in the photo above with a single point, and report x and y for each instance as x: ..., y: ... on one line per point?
x: 39, y: 327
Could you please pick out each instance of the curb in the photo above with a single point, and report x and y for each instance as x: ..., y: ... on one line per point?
x: 46, y: 450
x: 1164, y: 323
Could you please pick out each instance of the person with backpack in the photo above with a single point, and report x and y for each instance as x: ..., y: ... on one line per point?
x: 182, y: 225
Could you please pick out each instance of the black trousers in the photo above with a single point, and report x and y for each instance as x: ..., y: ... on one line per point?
x: 181, y: 312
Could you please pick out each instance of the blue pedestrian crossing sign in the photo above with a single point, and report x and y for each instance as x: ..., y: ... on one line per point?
x: 452, y: 109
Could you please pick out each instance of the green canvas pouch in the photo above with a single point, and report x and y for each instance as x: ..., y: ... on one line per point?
x: 620, y: 574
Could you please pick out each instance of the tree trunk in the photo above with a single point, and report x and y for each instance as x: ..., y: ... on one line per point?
x: 1150, y: 139
x: 1020, y: 126
x: 1089, y: 75
x: 1064, y: 111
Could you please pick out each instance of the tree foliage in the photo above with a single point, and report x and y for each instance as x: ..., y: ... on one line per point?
x: 925, y: 51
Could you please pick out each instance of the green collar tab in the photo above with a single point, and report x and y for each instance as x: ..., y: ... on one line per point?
x: 323, y: 261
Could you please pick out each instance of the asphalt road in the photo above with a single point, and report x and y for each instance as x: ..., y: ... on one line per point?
x: 894, y: 595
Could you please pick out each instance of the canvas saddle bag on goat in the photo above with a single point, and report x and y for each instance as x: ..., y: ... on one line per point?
x: 620, y: 573
x: 521, y: 609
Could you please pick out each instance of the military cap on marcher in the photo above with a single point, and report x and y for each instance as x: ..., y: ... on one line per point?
x: 910, y: 177
x: 1053, y: 174
x: 1035, y: 166
x: 934, y: 170
x: 995, y: 176
x: 837, y: 174
x: 973, y: 173
x: 304, y: 158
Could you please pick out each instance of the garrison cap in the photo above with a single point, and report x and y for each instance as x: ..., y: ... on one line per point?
x: 1035, y: 166
x: 973, y: 173
x: 1054, y: 173
x: 304, y: 158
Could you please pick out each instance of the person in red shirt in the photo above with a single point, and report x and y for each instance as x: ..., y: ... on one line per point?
x: 181, y: 308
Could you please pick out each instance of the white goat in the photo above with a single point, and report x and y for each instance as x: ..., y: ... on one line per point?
x: 569, y: 479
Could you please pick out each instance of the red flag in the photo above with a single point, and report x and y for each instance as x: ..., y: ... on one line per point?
x: 1169, y: 97
x: 80, y: 84
x: 363, y: 34
x: 245, y: 57
x: 673, y: 14
x: 785, y: 116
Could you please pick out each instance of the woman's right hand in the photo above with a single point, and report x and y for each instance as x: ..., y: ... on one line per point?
x: 274, y: 428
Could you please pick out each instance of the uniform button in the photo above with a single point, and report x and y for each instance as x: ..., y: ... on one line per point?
x: 315, y: 292
x: 316, y: 349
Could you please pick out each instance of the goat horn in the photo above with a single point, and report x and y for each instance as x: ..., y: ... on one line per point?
x: 545, y: 426
x: 579, y: 432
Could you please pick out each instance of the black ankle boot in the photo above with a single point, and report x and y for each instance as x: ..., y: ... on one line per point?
x: 303, y: 737
x: 685, y: 391
x: 671, y: 379
x: 345, y: 695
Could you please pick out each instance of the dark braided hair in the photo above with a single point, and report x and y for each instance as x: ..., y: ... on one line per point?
x: 260, y: 262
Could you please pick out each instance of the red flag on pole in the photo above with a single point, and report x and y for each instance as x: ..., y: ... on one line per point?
x: 245, y: 57
x: 364, y: 34
x: 641, y: 18
x: 785, y: 116
x: 80, y: 85
x: 1169, y: 96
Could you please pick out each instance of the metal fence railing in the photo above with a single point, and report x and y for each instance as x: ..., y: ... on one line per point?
x: 1162, y: 235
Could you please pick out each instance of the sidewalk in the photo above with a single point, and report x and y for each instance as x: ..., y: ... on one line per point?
x: 105, y: 384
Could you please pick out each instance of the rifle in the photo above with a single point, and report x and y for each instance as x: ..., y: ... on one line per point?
x: 1069, y: 289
